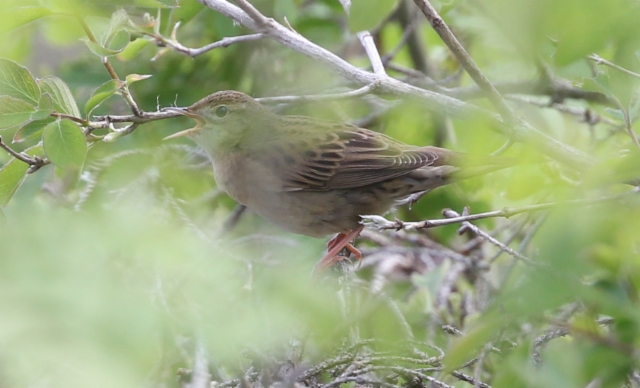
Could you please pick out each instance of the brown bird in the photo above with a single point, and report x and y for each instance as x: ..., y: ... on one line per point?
x: 311, y: 176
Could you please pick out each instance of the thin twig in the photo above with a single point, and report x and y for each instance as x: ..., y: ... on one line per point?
x: 19, y: 156
x: 406, y: 34
x: 359, y: 380
x: 382, y: 223
x: 488, y: 237
x: 587, y: 115
x: 469, y: 379
x: 435, y: 101
x: 627, y: 121
x: 124, y: 90
x: 34, y: 162
x: 100, y: 122
x: 233, y: 219
x: 194, y: 52
x: 145, y: 117
x: 320, y: 97
x: 200, y: 376
x: 408, y: 19
x: 253, y: 13
x: 508, y: 144
x: 78, y: 120
x: 372, y: 52
x: 465, y: 60
x: 601, y: 61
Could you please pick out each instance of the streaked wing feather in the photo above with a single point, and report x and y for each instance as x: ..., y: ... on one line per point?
x: 343, y: 157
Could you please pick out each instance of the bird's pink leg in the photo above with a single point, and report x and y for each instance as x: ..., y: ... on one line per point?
x: 335, y: 245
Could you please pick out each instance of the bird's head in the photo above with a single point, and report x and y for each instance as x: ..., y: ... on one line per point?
x: 224, y: 120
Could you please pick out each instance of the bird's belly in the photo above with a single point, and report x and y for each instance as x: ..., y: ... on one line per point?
x: 312, y: 213
x: 317, y: 214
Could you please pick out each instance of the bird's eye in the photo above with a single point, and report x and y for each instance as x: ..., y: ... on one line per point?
x: 221, y: 111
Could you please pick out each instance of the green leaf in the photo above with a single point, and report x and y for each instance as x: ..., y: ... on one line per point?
x: 615, y: 113
x: 31, y: 129
x: 599, y: 83
x: 368, y: 14
x: 132, y: 49
x: 111, y: 37
x: 131, y: 78
x: 99, y: 50
x: 63, y: 101
x: 116, y: 46
x: 13, y: 173
x: 103, y: 92
x: 21, y: 16
x: 118, y: 20
x: 11, y: 176
x: 17, y: 82
x: 119, y: 41
x: 187, y: 11
x: 13, y: 111
x: 64, y: 144
x: 45, y: 107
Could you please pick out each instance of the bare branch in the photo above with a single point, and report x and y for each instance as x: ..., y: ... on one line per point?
x: 124, y: 90
x: 34, y: 162
x: 382, y: 223
x: 435, y: 101
x: 145, y: 117
x: 463, y: 377
x: 372, y: 52
x: 488, y: 237
x: 585, y: 114
x: 601, y: 61
x: 194, y: 52
x: 321, y: 97
x: 465, y: 60
x: 200, y: 376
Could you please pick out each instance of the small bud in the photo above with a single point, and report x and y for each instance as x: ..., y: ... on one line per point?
x: 111, y: 137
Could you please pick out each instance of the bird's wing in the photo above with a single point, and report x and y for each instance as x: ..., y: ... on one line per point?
x: 344, y: 156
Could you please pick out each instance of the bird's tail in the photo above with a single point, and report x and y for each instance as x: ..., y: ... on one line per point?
x: 469, y: 165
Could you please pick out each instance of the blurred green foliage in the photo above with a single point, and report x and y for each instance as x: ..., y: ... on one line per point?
x: 112, y: 268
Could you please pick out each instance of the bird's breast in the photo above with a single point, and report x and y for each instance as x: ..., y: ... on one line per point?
x: 242, y: 177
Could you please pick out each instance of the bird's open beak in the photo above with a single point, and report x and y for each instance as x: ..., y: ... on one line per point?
x: 185, y: 112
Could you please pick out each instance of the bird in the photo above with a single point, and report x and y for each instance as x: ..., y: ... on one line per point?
x: 312, y: 176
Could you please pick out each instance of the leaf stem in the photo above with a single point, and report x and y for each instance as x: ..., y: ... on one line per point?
x: 112, y: 72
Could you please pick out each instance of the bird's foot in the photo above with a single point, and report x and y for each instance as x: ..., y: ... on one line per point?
x: 335, y: 245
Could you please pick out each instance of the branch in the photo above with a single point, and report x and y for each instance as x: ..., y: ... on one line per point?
x: 601, y: 61
x: 435, y: 101
x: 372, y: 52
x: 408, y: 20
x: 320, y: 97
x: 124, y: 90
x: 557, y: 88
x: 585, y: 114
x: 34, y: 162
x: 145, y: 117
x: 465, y: 60
x: 469, y: 379
x: 382, y: 223
x: 194, y: 52
x: 467, y: 225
